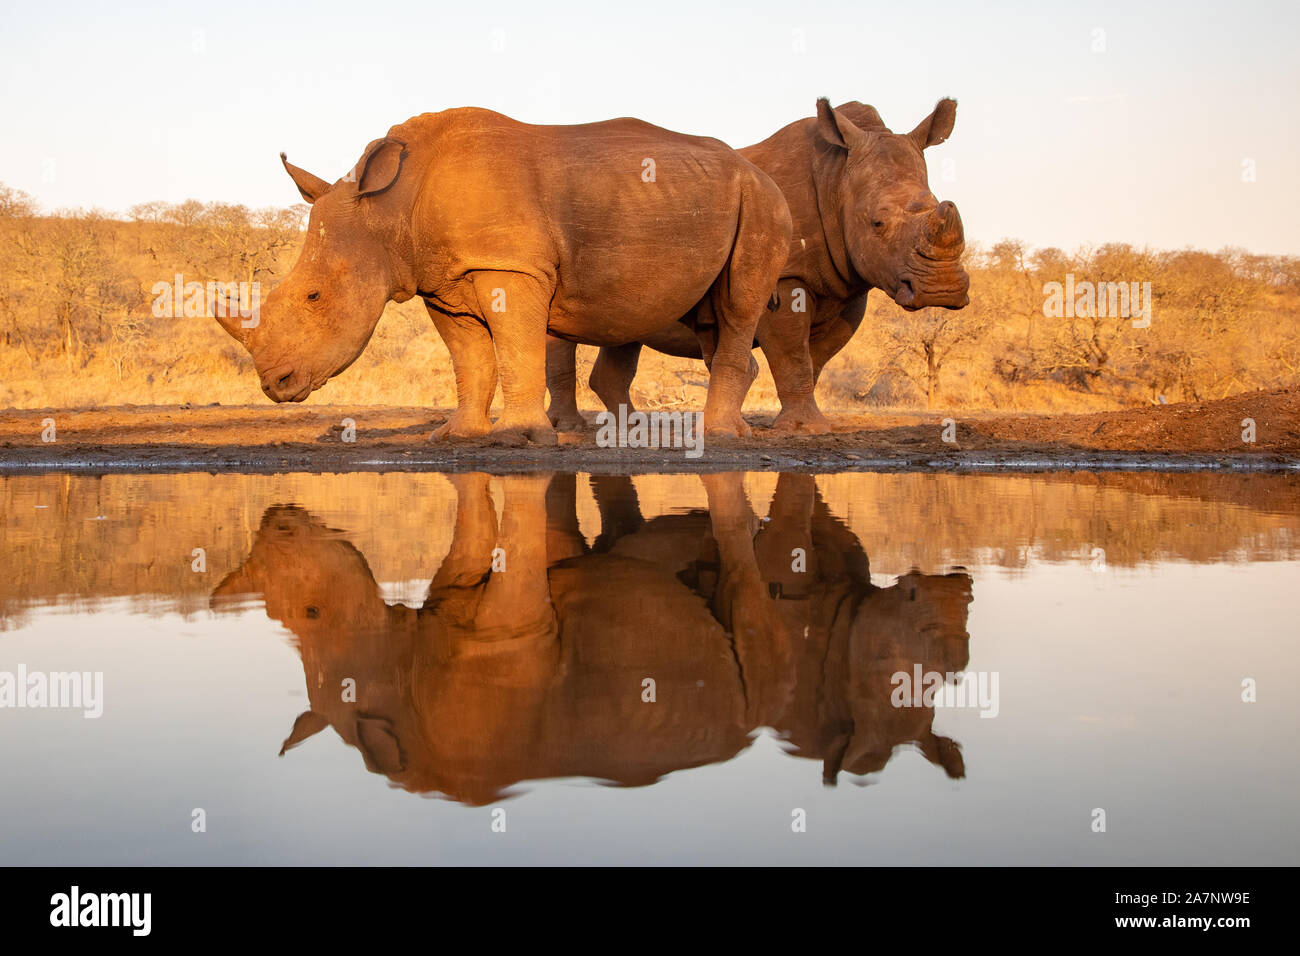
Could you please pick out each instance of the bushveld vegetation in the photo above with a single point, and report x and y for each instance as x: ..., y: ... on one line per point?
x: 79, y: 329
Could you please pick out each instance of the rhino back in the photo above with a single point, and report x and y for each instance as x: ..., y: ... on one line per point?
x: 626, y: 217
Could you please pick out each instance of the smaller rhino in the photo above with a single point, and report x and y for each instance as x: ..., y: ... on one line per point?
x: 864, y: 218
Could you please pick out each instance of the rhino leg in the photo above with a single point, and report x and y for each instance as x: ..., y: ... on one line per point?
x: 454, y: 589
x: 739, y: 299
x: 742, y: 605
x: 564, y: 538
x: 612, y: 375
x: 515, y: 308
x: 783, y: 336
x: 620, y: 509
x: 788, y: 529
x: 562, y: 383
x: 493, y: 579
x: 475, y: 367
x: 827, y: 341
x: 516, y: 596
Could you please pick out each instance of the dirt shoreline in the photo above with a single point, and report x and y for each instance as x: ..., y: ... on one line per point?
x: 1202, y: 436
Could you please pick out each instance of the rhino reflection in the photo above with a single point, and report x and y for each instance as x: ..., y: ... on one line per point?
x: 537, y: 670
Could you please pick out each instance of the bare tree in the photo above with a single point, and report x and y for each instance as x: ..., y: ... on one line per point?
x: 925, y: 341
x: 15, y: 204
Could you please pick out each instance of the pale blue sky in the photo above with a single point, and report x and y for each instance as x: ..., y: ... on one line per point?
x: 1054, y: 143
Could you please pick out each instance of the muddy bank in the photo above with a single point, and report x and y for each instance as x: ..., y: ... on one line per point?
x: 267, y: 438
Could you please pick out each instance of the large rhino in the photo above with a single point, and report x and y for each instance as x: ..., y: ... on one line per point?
x: 600, y: 233
x: 864, y: 218
x: 530, y: 663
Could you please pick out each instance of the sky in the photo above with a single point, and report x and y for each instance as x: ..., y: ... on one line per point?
x: 1170, y: 124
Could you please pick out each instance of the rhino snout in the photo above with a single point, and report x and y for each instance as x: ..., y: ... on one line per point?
x: 944, y: 285
x: 286, y: 384
x: 944, y: 299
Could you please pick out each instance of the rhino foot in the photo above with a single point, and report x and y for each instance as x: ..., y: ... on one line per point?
x: 801, y: 421
x: 568, y: 421
x: 517, y: 433
x: 460, y: 427
x: 730, y: 426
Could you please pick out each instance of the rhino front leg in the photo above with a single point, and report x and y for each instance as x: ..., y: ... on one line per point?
x: 515, y: 307
x: 783, y: 336
x: 475, y: 367
x: 826, y: 343
x: 562, y: 383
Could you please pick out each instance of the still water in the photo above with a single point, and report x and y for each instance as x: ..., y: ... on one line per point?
x: 425, y: 668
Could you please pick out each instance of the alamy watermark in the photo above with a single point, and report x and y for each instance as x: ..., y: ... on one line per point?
x: 632, y: 429
x: 179, y: 299
x: 946, y: 689
x: 75, y: 908
x: 58, y: 689
x: 1086, y: 300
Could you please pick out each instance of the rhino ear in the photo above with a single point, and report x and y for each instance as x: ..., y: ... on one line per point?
x: 311, y: 187
x: 234, y: 586
x: 379, y: 166
x: 936, y: 127
x: 836, y: 129
x: 378, y: 745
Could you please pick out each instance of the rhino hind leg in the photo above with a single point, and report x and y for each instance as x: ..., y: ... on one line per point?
x: 564, y: 537
x: 612, y: 375
x: 562, y: 384
x: 518, y: 600
x: 738, y: 300
x: 515, y: 307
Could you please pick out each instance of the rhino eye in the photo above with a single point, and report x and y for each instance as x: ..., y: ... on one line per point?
x: 313, y: 296
x: 878, y: 224
x: 313, y: 612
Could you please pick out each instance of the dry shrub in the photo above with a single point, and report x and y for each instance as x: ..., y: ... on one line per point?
x: 76, y: 321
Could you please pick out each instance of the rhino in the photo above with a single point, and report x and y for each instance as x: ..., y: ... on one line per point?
x: 864, y: 218
x: 600, y: 233
x: 531, y: 671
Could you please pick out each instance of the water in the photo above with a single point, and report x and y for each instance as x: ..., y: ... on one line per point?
x: 441, y: 655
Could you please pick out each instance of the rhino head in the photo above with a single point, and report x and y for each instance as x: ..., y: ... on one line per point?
x: 315, y: 583
x: 897, y: 236
x: 317, y: 321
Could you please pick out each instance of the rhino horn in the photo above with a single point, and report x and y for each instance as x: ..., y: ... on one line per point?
x: 942, y: 236
x: 232, y: 323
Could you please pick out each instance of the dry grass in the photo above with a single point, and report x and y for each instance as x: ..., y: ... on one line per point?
x: 76, y: 323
